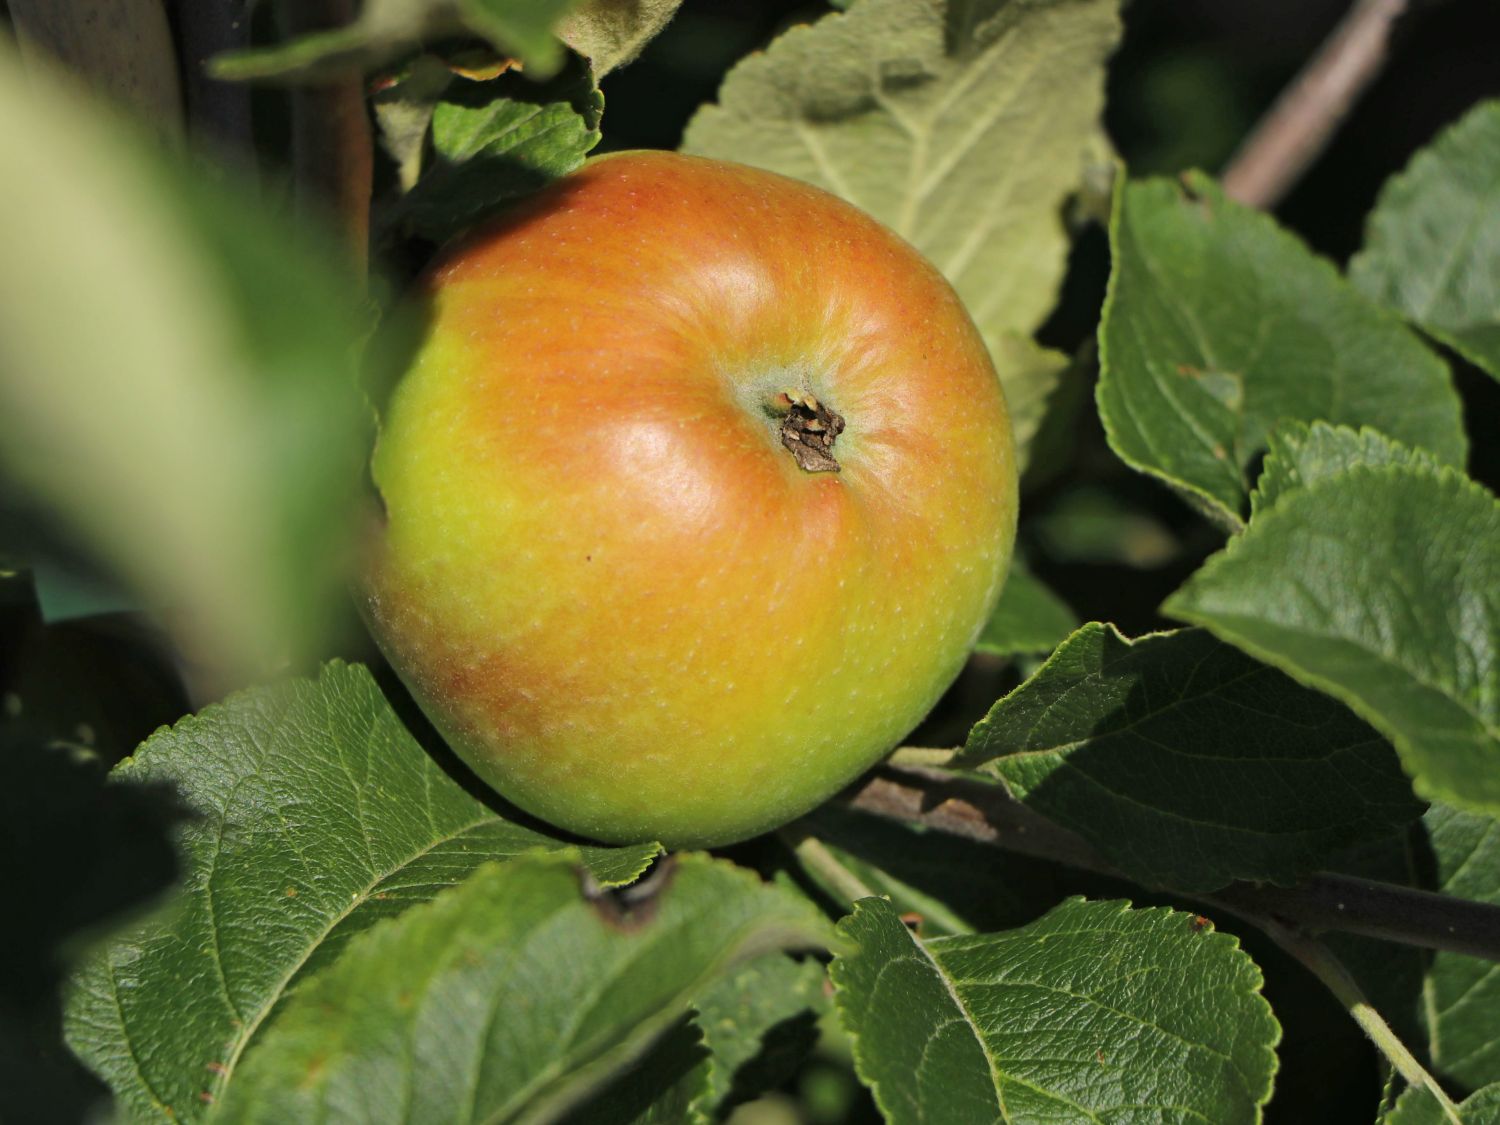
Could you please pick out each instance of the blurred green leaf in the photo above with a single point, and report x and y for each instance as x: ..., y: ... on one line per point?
x: 610, y: 33
x: 1093, y: 525
x: 179, y: 378
x: 961, y: 125
x: 1187, y: 764
x: 386, y: 30
x: 1381, y: 586
x: 510, y: 997
x: 1219, y: 324
x: 1462, y: 994
x: 1090, y: 1011
x: 1030, y: 374
x: 1029, y: 618
x: 1432, y: 244
x: 497, y: 140
x: 316, y: 814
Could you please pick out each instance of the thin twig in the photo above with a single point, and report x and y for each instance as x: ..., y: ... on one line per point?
x: 986, y: 813
x: 333, y: 156
x: 1290, y: 137
x: 1319, y: 960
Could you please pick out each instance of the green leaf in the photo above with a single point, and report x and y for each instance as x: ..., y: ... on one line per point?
x: 758, y: 1023
x: 750, y: 1030
x: 316, y: 814
x: 1187, y: 764
x: 385, y: 30
x: 403, y: 111
x: 1432, y: 244
x: 1032, y: 375
x: 1380, y: 586
x: 1089, y: 1012
x: 177, y: 378
x: 1219, y: 324
x: 961, y: 125
x: 662, y: 1089
x: 1461, y: 998
x: 1302, y: 455
x: 1418, y: 1107
x: 509, y: 998
x: 1029, y: 617
x: 611, y: 33
x: 498, y: 140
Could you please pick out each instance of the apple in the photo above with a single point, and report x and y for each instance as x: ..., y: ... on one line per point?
x: 698, y: 493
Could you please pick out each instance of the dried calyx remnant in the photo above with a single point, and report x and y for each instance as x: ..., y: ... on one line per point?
x: 808, y: 430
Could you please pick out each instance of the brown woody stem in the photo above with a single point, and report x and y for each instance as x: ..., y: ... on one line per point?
x: 1298, y: 127
x: 978, y: 811
x: 333, y: 157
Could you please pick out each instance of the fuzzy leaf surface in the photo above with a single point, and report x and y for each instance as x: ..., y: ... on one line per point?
x: 962, y: 125
x: 1380, y: 586
x: 1219, y: 324
x: 315, y: 815
x: 385, y: 30
x: 1188, y: 764
x: 1432, y: 244
x: 1095, y: 1012
x: 509, y: 998
x: 611, y: 33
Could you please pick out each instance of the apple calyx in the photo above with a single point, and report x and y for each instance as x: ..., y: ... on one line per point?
x: 808, y: 430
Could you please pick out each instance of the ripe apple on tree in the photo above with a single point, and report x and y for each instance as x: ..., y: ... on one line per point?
x: 698, y: 493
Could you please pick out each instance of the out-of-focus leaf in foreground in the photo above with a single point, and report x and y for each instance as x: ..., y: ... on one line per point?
x: 177, y: 377
x: 385, y: 30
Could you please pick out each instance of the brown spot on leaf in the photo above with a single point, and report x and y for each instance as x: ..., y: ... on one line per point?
x: 630, y: 908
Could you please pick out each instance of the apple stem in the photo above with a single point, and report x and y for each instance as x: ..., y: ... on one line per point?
x: 808, y: 429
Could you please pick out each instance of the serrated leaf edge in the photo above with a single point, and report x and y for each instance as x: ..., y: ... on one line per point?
x: 1174, y: 606
x: 1401, y: 188
x: 1124, y: 906
x: 1196, y: 180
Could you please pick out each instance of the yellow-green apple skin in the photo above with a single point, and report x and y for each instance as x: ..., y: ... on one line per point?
x: 604, y: 576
